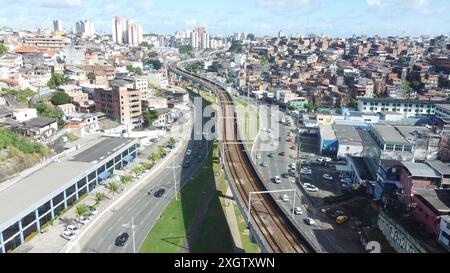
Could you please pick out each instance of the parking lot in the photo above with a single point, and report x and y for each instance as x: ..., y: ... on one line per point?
x: 327, y: 188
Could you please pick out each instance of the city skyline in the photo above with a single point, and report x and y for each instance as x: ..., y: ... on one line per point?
x: 261, y: 17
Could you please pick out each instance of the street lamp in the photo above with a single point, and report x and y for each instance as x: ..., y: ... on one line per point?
x: 174, y: 178
x: 132, y: 226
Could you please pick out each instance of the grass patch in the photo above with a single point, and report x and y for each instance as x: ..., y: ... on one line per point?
x: 248, y: 246
x: 71, y: 137
x: 214, y: 235
x: 169, y: 232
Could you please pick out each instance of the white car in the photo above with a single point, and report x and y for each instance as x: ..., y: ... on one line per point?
x: 276, y: 179
x: 310, y: 221
x: 327, y: 159
x: 84, y: 220
x: 285, y: 198
x: 310, y: 188
x: 258, y: 156
x: 293, y: 166
x: 188, y: 152
x: 320, y: 159
x: 73, y: 229
x: 306, y: 171
x: 346, y: 181
x: 298, y: 211
x: 68, y: 235
x: 327, y: 177
x: 93, y: 210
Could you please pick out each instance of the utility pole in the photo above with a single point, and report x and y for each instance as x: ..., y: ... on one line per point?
x: 174, y: 178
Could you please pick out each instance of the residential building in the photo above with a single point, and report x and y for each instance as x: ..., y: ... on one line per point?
x: 35, y: 199
x: 120, y: 103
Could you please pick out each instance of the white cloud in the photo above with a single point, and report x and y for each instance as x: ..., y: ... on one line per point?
x: 375, y: 3
x: 191, y: 21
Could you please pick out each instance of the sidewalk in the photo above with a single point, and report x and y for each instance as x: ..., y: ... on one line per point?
x: 232, y: 223
x: 50, y: 240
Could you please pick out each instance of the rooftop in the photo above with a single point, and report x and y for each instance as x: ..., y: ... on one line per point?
x: 439, y: 166
x: 444, y: 106
x: 420, y: 170
x: 389, y: 100
x: 347, y: 134
x: 37, y: 188
x: 439, y: 199
x: 388, y: 133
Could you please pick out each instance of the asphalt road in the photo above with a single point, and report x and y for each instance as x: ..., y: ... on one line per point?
x: 145, y: 209
x: 280, y: 164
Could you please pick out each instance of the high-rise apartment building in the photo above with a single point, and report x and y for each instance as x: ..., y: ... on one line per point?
x: 117, y: 30
x: 125, y: 31
x: 85, y: 28
x: 120, y: 103
x: 194, y: 39
x: 205, y: 41
x: 57, y: 25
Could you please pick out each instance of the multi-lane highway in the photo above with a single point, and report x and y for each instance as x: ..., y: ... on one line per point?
x: 143, y: 207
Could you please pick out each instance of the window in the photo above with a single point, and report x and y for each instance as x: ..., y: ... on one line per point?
x: 58, y: 199
x: 44, y: 208
x: 70, y: 191
x: 58, y: 209
x: 81, y: 183
x: 408, y: 148
x: 91, y: 176
x: 11, y: 231
x: 29, y: 230
x: 28, y: 219
x: 13, y: 244
x: 398, y: 148
x: 389, y: 147
x: 71, y: 200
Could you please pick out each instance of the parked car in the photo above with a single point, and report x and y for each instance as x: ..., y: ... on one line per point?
x: 298, y: 211
x: 327, y: 159
x: 264, y: 164
x: 291, y: 172
x: 276, y: 179
x: 310, y: 221
x: 320, y: 159
x: 306, y: 171
x: 285, y: 198
x: 285, y: 175
x: 293, y: 166
x: 68, y: 235
x: 310, y: 187
x: 282, y: 153
x: 346, y: 180
x: 327, y: 177
x: 92, y: 210
x: 258, y: 156
x: 271, y: 156
x: 294, y: 147
x: 188, y: 152
x: 341, y: 219
x: 122, y: 239
x: 73, y: 229
x: 84, y: 220
x: 159, y: 193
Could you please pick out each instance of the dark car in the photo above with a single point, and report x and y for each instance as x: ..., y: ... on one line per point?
x: 271, y: 155
x: 160, y: 193
x: 122, y: 239
x: 282, y: 154
x: 285, y: 175
x: 186, y: 164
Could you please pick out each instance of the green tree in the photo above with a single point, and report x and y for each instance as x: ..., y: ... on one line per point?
x: 56, y: 80
x: 113, y: 188
x: 162, y: 152
x: 186, y: 49
x: 98, y: 197
x: 155, y: 63
x: 147, y: 45
x: 60, y: 98
x: 194, y: 67
x: 22, y: 95
x: 309, y: 107
x: 91, y: 76
x: 81, y: 211
x: 236, y: 47
x: 154, y: 157
x: 149, y: 117
x: 263, y: 60
x: 172, y: 141
x: 45, y: 109
x: 147, y: 165
x: 125, y: 179
x: 3, y: 49
x: 135, y: 70
x: 152, y: 54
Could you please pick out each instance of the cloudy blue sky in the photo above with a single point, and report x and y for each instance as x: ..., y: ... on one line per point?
x: 330, y: 17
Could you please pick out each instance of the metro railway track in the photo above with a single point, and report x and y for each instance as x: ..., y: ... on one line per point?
x: 277, y: 231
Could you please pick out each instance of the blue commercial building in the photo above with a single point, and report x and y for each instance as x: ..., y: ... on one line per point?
x: 30, y: 203
x: 328, y: 141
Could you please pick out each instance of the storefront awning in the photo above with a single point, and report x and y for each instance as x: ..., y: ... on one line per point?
x: 104, y: 175
x: 128, y: 158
